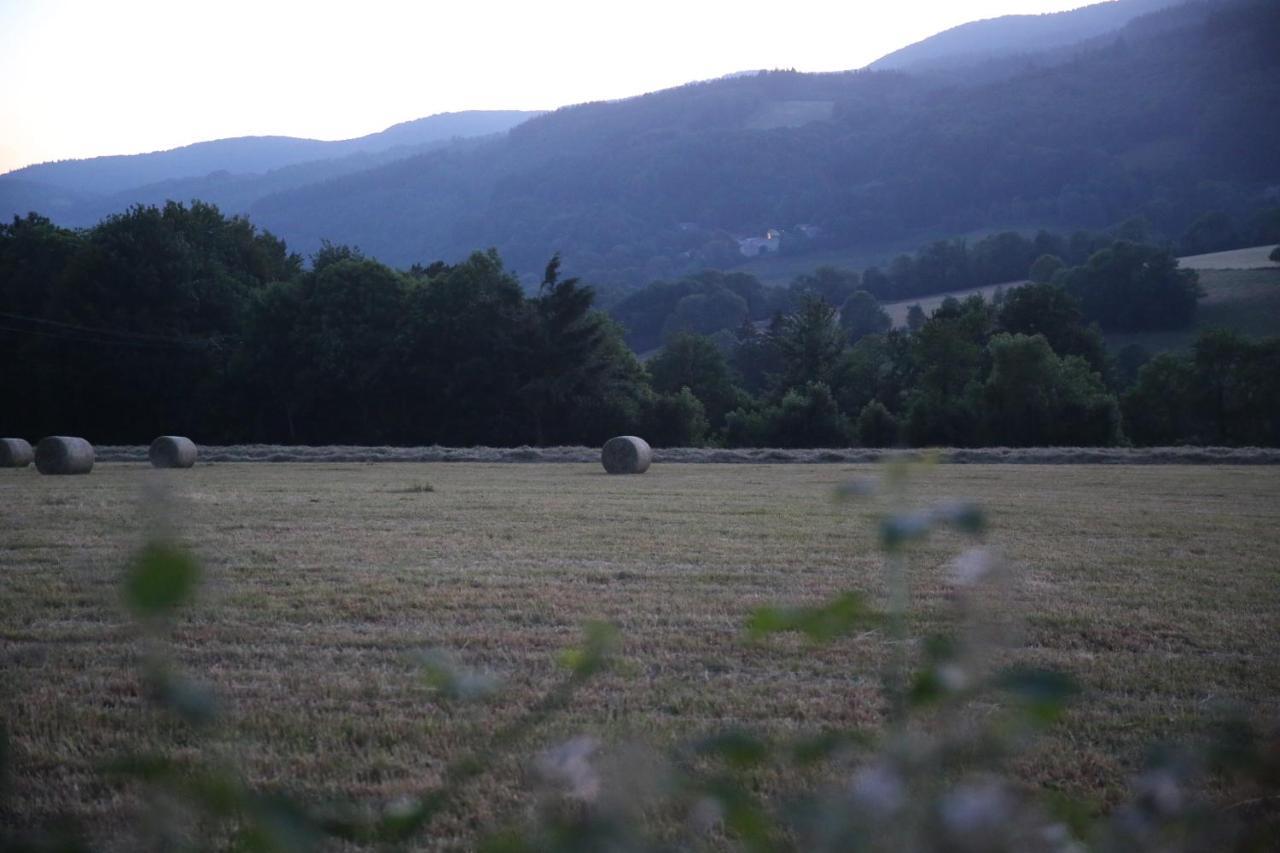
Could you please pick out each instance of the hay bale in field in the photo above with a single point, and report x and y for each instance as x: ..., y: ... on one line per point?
x: 64, y: 454
x: 172, y: 451
x: 15, y: 453
x: 626, y: 454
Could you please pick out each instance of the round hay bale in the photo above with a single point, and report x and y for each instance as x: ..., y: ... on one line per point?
x: 15, y: 453
x: 64, y: 454
x: 172, y: 451
x: 626, y: 454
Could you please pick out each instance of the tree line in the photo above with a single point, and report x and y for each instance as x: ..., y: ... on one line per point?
x: 712, y: 302
x: 179, y: 319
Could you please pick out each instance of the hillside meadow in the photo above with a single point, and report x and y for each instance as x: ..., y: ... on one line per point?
x: 1156, y: 587
x: 1241, y: 292
x: 1243, y: 300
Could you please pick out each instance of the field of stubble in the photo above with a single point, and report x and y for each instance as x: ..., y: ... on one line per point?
x: 1158, y: 587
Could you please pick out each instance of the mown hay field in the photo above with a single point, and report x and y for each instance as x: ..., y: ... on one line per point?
x: 1157, y: 587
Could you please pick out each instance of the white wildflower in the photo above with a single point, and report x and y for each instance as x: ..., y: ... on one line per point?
x: 879, y: 789
x: 569, y: 766
x: 972, y: 566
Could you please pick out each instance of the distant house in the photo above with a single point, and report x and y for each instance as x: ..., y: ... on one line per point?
x: 755, y: 246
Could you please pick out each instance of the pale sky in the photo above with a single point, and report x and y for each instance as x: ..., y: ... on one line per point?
x: 80, y: 78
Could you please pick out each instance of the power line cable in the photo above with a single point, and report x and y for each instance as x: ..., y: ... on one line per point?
x: 84, y: 339
x: 101, y: 335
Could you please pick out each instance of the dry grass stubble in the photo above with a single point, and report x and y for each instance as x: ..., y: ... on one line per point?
x: 1158, y: 587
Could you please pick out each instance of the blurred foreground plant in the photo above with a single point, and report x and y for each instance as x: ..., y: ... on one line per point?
x: 934, y: 778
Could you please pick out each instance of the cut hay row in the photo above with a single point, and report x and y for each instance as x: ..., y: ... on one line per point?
x: 986, y: 455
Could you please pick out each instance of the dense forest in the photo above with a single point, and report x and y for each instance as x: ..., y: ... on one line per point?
x: 718, y: 303
x: 1173, y: 116
x: 180, y: 319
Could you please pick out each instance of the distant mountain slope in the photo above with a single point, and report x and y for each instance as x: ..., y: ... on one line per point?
x: 233, y: 193
x: 254, y: 154
x: 1166, y: 122
x: 1014, y: 35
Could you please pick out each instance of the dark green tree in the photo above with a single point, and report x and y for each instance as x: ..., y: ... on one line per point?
x: 163, y: 293
x: 756, y: 358
x: 876, y: 426
x: 809, y: 342
x: 676, y: 420
x: 1211, y: 232
x: 829, y: 283
x: 915, y: 317
x: 1045, y: 268
x: 567, y: 359
x: 696, y: 363
x: 1046, y: 309
x: 1032, y: 397
x: 705, y: 312
x: 1130, y: 287
x: 1158, y: 409
x: 861, y: 315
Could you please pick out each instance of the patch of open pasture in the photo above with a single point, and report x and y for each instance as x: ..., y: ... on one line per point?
x: 898, y: 310
x: 1243, y: 300
x: 1253, y: 258
x: 1156, y: 586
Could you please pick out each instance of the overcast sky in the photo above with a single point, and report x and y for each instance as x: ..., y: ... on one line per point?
x: 80, y: 78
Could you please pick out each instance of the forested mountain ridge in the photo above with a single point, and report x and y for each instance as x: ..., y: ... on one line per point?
x: 230, y: 172
x: 1014, y: 35
x: 1169, y: 117
x: 1175, y: 118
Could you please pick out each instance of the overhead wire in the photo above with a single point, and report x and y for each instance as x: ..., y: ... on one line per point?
x: 88, y: 334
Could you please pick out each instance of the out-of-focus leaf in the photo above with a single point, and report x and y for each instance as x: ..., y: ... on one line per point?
x: 862, y: 487
x: 939, y: 647
x: 219, y: 793
x: 148, y: 768
x: 822, y: 746
x: 193, y: 702
x: 966, y: 517
x: 899, y: 529
x: 743, y: 816
x: 1043, y: 693
x: 926, y: 688
x: 508, y: 842
x: 738, y: 748
x: 161, y: 578
x: 599, y: 643
x: 454, y: 681
x: 902, y: 528
x: 278, y: 825
x: 1235, y: 746
x: 821, y: 624
x: 1074, y: 814
x: 402, y: 819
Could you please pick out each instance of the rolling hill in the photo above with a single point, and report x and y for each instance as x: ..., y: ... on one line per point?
x: 1013, y: 36
x: 229, y: 172
x: 1171, y: 119
x: 1165, y: 116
